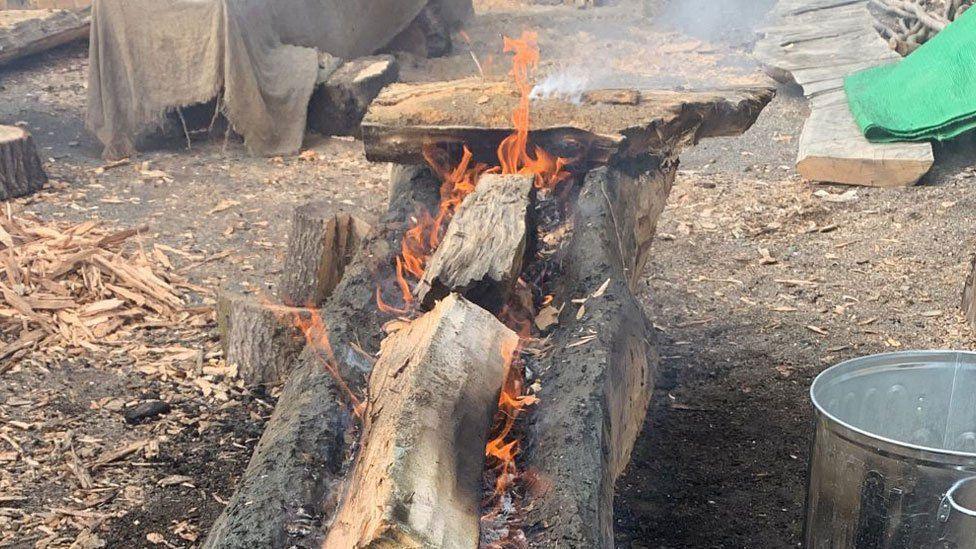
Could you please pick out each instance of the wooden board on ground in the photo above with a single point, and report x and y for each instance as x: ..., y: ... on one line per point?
x: 417, y: 479
x: 26, y: 32
x: 817, y: 43
x: 405, y: 118
x: 21, y: 172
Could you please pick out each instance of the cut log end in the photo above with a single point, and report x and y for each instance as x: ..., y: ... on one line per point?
x: 482, y: 251
x: 261, y: 339
x: 321, y: 244
x: 340, y: 101
x: 21, y: 172
x: 432, y: 396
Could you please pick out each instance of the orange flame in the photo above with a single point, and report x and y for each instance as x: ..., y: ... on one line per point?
x: 501, y: 450
x: 317, y: 336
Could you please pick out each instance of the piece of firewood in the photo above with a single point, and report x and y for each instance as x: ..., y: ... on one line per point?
x: 407, y: 118
x: 596, y: 384
x: 26, y: 32
x: 969, y: 295
x: 321, y: 243
x: 340, y: 101
x: 483, y: 248
x: 20, y: 167
x: 291, y: 485
x: 261, y: 339
x: 417, y: 481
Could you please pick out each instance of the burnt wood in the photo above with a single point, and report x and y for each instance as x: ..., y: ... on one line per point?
x: 432, y: 396
x: 339, y: 103
x: 321, y: 243
x: 608, y: 127
x: 21, y: 172
x: 483, y: 248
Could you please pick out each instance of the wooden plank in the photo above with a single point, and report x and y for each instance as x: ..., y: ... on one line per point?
x: 26, y: 32
x: 416, y: 482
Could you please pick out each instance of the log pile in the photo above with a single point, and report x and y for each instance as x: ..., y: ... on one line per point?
x: 911, y: 23
x: 378, y: 438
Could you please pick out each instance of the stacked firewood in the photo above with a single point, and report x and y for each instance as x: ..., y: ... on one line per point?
x: 910, y: 23
x: 72, y: 287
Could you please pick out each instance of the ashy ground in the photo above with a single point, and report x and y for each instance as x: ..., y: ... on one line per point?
x: 759, y: 281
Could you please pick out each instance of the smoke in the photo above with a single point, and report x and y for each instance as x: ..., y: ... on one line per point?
x: 730, y: 22
x: 567, y: 84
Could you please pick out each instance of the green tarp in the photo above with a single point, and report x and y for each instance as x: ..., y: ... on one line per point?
x: 929, y: 95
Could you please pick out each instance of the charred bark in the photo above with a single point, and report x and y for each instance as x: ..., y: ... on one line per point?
x: 339, y: 103
x: 20, y: 167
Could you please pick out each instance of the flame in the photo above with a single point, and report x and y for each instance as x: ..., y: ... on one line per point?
x: 502, y: 449
x: 317, y: 337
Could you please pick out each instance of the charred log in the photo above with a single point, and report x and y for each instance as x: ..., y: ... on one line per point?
x: 597, y: 383
x: 432, y: 396
x: 20, y: 167
x: 321, y: 243
x: 481, y: 253
x: 340, y: 100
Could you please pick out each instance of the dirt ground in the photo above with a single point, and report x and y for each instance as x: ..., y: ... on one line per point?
x: 759, y: 281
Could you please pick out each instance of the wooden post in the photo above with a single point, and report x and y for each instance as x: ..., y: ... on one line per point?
x: 417, y: 481
x: 20, y: 167
x: 321, y: 243
x: 481, y: 253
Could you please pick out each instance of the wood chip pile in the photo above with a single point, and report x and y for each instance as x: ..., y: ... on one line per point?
x: 73, y: 288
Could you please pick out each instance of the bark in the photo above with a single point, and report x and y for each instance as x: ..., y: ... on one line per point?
x: 483, y: 248
x: 595, y: 390
x: 405, y: 118
x: 290, y: 485
x: 433, y: 393
x: 260, y: 338
x: 27, y: 32
x: 321, y: 243
x: 20, y: 167
x: 340, y: 101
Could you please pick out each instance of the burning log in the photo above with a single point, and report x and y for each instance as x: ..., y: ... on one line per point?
x: 290, y: 485
x: 260, y: 338
x: 596, y: 385
x: 20, y: 167
x: 405, y: 118
x: 341, y: 99
x: 321, y: 244
x: 481, y: 253
x: 417, y: 479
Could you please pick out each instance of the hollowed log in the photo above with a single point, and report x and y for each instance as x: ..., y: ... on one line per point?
x: 482, y: 250
x: 417, y: 479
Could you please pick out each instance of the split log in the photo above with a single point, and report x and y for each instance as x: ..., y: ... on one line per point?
x: 597, y: 383
x: 969, y: 295
x: 405, y: 118
x: 321, y: 243
x: 290, y: 485
x: 417, y: 481
x: 20, y: 167
x: 26, y: 32
x: 340, y: 100
x: 482, y: 250
x: 261, y: 339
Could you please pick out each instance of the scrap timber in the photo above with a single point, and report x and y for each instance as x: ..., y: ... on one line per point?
x: 406, y: 118
x: 346, y: 458
x: 816, y: 43
x: 26, y: 32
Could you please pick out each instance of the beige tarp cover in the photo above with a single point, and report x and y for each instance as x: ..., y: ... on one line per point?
x: 150, y: 56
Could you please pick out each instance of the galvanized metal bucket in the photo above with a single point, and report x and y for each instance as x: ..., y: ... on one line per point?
x: 894, y: 457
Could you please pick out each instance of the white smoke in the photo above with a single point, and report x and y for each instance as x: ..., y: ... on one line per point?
x: 568, y: 85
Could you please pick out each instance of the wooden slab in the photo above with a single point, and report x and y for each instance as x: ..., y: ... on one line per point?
x: 405, y: 118
x: 417, y: 481
x: 26, y: 32
x: 817, y: 43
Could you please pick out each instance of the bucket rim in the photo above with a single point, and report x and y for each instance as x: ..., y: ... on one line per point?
x: 947, y: 354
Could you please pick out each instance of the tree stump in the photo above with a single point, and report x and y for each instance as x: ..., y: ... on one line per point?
x: 321, y: 244
x: 20, y: 167
x: 262, y: 339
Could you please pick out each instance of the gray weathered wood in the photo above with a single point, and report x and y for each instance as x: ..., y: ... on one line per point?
x: 969, y: 295
x: 21, y: 172
x: 416, y: 481
x: 26, y: 32
x: 321, y: 243
x: 261, y: 339
x: 482, y: 250
x: 817, y: 43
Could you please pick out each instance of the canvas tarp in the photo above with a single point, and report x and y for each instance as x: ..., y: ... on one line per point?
x: 147, y: 57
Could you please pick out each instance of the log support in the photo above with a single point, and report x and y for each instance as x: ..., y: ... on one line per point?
x: 417, y: 479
